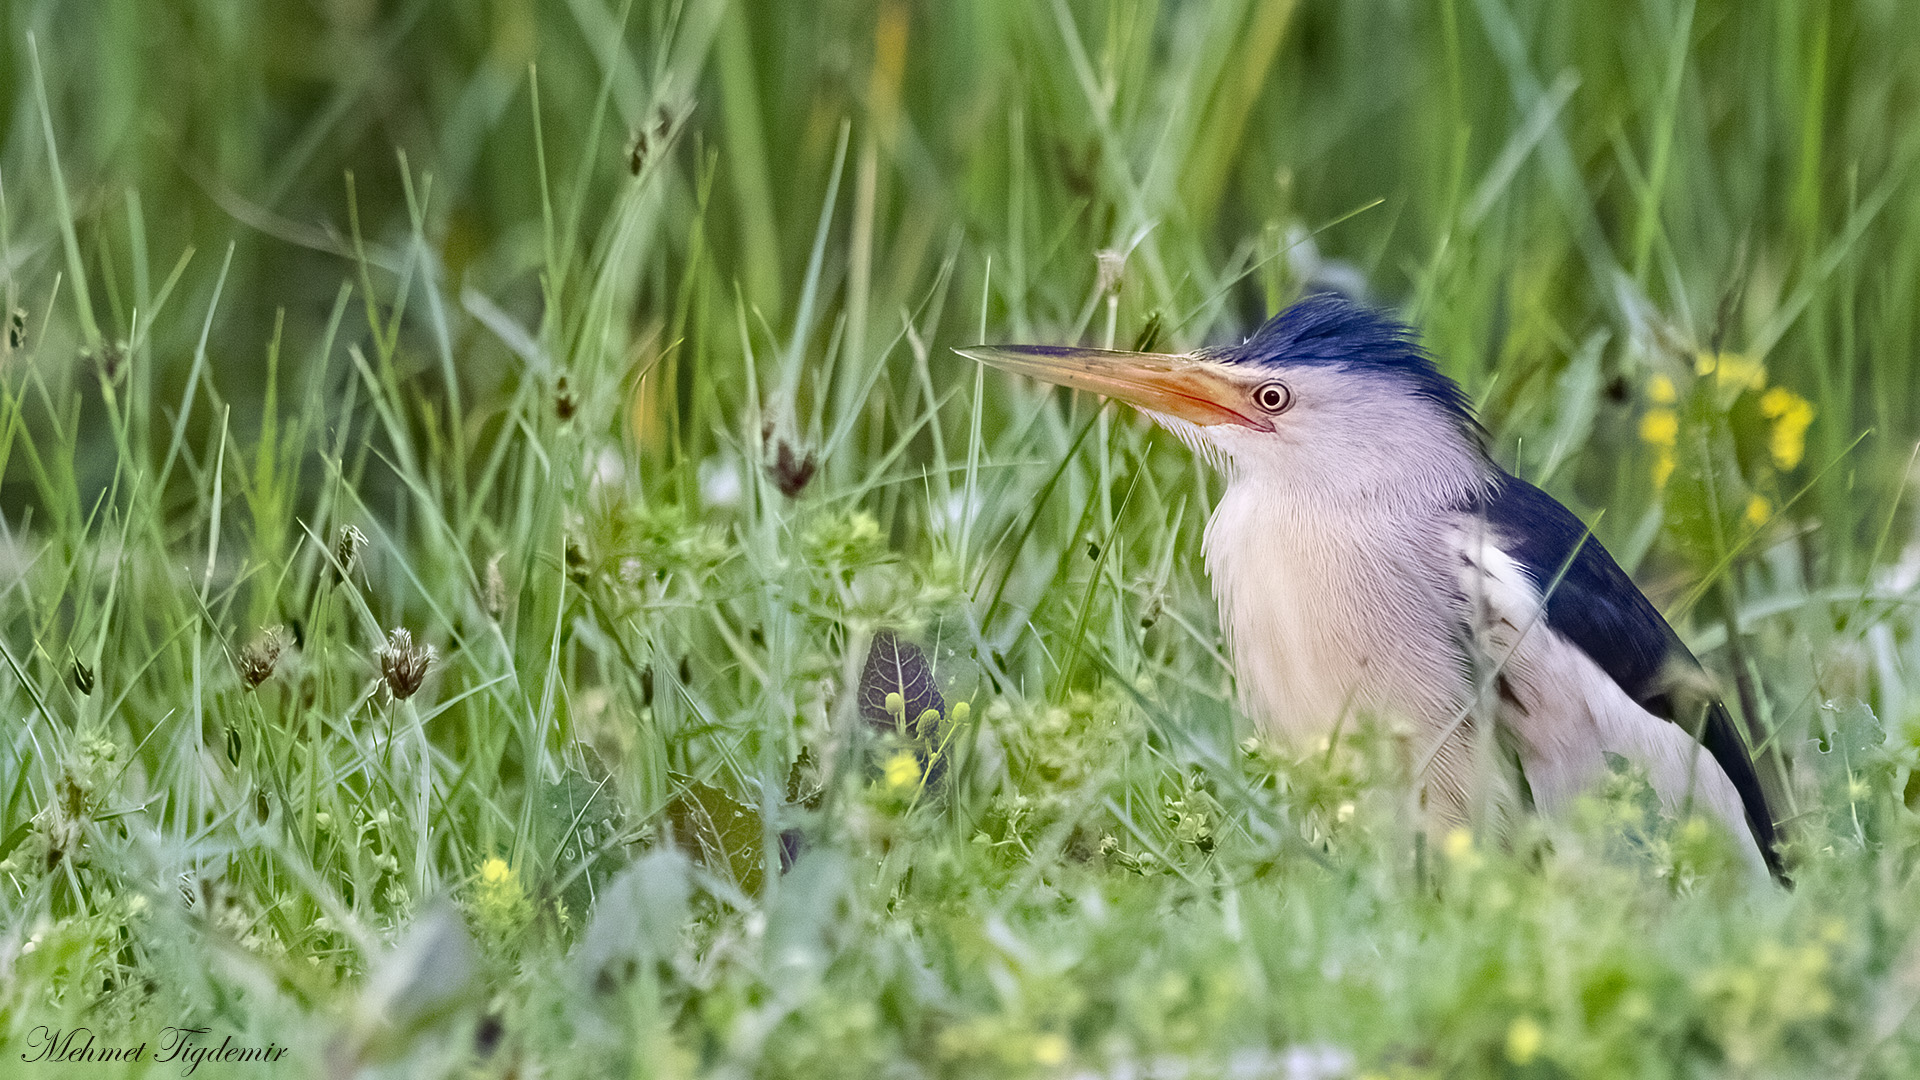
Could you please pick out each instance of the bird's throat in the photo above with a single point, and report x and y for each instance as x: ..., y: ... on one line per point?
x: 1329, y: 612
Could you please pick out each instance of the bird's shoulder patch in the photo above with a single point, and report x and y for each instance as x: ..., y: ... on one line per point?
x: 1589, y: 599
x: 1591, y: 602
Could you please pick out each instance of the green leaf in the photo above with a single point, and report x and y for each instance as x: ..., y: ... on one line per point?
x: 720, y: 832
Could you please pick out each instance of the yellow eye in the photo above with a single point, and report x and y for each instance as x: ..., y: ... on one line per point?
x: 1273, y: 397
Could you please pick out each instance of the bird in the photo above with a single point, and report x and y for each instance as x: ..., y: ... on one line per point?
x: 1368, y: 555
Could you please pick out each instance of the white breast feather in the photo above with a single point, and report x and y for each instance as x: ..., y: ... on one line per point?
x: 1322, y: 626
x: 1327, y: 621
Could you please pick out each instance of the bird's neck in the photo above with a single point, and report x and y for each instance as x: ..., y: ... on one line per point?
x: 1332, y: 599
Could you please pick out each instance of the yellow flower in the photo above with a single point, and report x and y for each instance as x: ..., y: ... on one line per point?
x: 1660, y: 427
x: 1050, y: 1049
x: 1523, y: 1040
x: 1660, y: 390
x: 1663, y: 467
x: 501, y: 909
x: 1459, y: 849
x: 1759, y: 509
x: 1791, y: 415
x: 903, y: 770
x: 1732, y: 371
x: 863, y: 528
x: 1740, y: 371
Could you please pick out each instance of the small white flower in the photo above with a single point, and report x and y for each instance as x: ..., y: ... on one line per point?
x: 721, y: 487
x: 607, y: 468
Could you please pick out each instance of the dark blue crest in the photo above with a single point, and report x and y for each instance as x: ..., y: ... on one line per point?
x: 1329, y: 330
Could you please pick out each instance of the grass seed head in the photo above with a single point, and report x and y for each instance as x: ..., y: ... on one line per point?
x: 655, y: 135
x: 112, y: 359
x: 346, y: 549
x: 791, y: 468
x: 496, y: 586
x: 403, y: 664
x: 261, y: 656
x: 578, y: 571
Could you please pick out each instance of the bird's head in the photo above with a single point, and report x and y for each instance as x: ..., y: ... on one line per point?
x: 1328, y: 394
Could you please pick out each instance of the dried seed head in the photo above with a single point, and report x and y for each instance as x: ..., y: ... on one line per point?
x: 113, y: 360
x: 403, y: 664
x: 496, y: 587
x: 17, y: 329
x: 578, y: 571
x: 564, y: 403
x: 261, y: 656
x: 652, y: 137
x: 791, y: 468
x: 788, y: 463
x: 82, y: 677
x: 346, y: 549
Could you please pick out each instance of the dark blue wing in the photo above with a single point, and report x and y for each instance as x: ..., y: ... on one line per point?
x: 1599, y: 608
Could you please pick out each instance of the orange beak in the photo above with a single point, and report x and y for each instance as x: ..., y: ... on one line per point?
x: 1184, y: 387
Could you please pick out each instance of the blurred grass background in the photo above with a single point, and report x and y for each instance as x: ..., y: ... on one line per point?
x: 536, y: 296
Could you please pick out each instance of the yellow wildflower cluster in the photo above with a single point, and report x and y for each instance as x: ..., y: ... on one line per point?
x: 1787, y: 413
x: 902, y: 771
x: 1754, y: 1004
x: 1732, y: 372
x: 1050, y: 1050
x: 1002, y: 1046
x: 1460, y: 849
x: 1660, y: 429
x: 1791, y: 415
x: 500, y: 907
x: 1524, y: 1037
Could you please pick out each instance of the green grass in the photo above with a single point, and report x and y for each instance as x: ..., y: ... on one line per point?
x: 544, y: 360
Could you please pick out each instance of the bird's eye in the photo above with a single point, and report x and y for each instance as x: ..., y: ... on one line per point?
x: 1273, y: 397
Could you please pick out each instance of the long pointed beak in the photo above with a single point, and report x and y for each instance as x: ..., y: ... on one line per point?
x: 1183, y: 387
